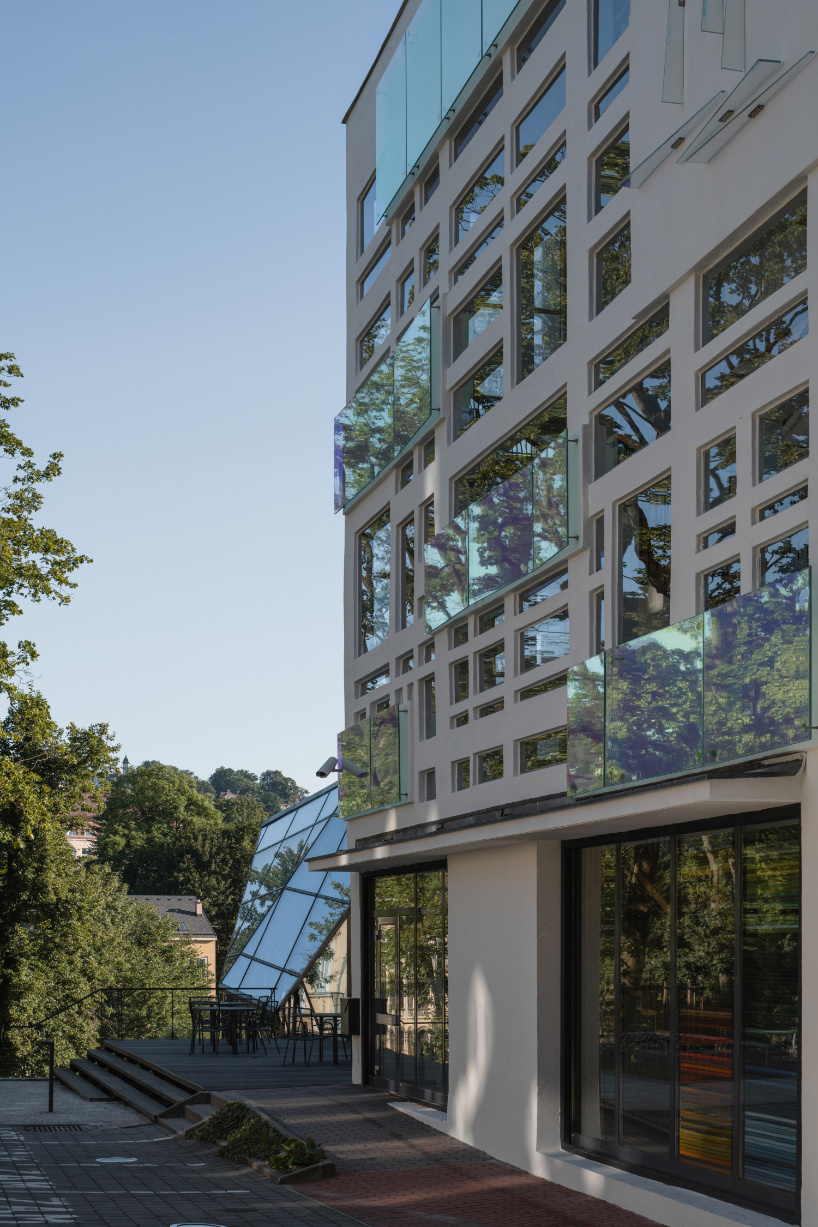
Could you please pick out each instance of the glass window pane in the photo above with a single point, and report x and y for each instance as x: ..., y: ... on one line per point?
x: 375, y: 335
x: 375, y: 270
x: 645, y: 561
x: 770, y: 1016
x: 542, y: 175
x: 634, y: 420
x: 586, y: 725
x: 783, y: 503
x: 479, y: 394
x: 543, y: 302
x: 613, y: 91
x: 760, y: 267
x: 546, y: 640
x: 490, y: 765
x: 488, y: 184
x: 538, y: 31
x: 533, y: 126
x: 423, y: 112
x: 596, y: 965
x: 776, y: 338
x: 479, y: 115
x: 646, y: 1071
x: 547, y: 750
x: 367, y: 208
x: 722, y: 585
x: 544, y: 590
x: 375, y: 546
x: 479, y: 312
x: 645, y: 335
x: 612, y: 168
x: 462, y: 45
x: 390, y: 130
x: 720, y: 472
x: 478, y: 251
x: 446, y: 573
x: 500, y: 536
x: 413, y: 378
x: 384, y: 763
x: 613, y: 267
x: 408, y: 575
x: 551, y: 683
x: 784, y: 435
x: 785, y: 556
x: 550, y: 501
x: 705, y: 970
x: 512, y: 454
x: 492, y: 667
x: 611, y: 19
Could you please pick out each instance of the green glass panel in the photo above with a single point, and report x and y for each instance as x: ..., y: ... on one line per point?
x: 495, y: 14
x: 356, y: 456
x: 377, y: 395
x: 412, y: 378
x: 446, y: 573
x: 385, y: 758
x: 461, y: 37
x: 705, y: 973
x: 757, y: 671
x: 550, y: 501
x: 354, y: 794
x: 653, y: 715
x: 500, y: 537
x: 423, y: 112
x: 586, y: 725
x: 390, y: 131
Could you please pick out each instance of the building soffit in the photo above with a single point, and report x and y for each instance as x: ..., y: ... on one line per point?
x: 692, y: 801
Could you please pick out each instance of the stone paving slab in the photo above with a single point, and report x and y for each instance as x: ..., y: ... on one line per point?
x: 25, y: 1102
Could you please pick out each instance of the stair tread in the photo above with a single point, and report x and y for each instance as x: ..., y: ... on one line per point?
x: 119, y: 1088
x: 80, y: 1085
x: 190, y: 1088
x: 153, y: 1083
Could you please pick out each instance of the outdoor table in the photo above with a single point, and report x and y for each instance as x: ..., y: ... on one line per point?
x: 334, y: 1021
x: 236, y: 1014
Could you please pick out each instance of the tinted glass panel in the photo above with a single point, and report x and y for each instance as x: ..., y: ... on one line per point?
x: 611, y: 19
x: 543, y: 303
x: 586, y: 726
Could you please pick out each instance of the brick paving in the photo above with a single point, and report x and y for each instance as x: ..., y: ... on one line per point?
x: 394, y: 1171
x: 51, y: 1179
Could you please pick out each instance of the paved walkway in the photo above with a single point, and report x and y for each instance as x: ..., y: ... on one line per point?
x: 394, y: 1171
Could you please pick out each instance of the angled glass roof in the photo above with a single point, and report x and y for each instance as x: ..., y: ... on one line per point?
x: 287, y: 912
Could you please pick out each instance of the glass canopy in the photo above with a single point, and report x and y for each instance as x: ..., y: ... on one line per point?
x: 289, y: 914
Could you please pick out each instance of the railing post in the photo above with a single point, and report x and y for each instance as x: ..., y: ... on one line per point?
x: 50, y: 1045
x: 172, y: 1025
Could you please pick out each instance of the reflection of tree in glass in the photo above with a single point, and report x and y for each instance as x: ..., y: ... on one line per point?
x: 613, y: 168
x: 512, y: 454
x: 486, y: 186
x: 775, y: 339
x: 636, y: 418
x: 543, y: 291
x: 640, y: 339
x: 759, y: 268
x: 784, y: 433
x: 264, y: 886
x: 375, y: 544
x: 586, y: 725
x: 645, y: 530
x: 614, y: 267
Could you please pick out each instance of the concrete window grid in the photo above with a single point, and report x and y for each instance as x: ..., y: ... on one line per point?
x: 677, y: 453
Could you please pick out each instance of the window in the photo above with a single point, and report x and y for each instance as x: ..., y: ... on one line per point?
x: 462, y: 774
x: 720, y: 472
x: 612, y: 168
x: 784, y: 556
x: 431, y: 183
x: 645, y: 561
x: 611, y: 92
x: 598, y: 620
x: 775, y: 339
x: 722, y: 584
x: 634, y: 420
x: 784, y: 435
x: 428, y: 453
x: 472, y: 125
x: 428, y: 652
x: 783, y: 503
x: 598, y: 540
x: 479, y: 312
x: 490, y: 619
x: 375, y: 565
x: 550, y: 683
x: 538, y: 31
x: 479, y: 394
x: 722, y: 533
x: 544, y: 590
x: 375, y: 270
x: 543, y: 298
x: 545, y: 750
x: 429, y: 785
x: 428, y: 513
x: 513, y: 454
x: 490, y: 765
x: 431, y: 259
x: 408, y: 577
x: 627, y: 350
x: 546, y: 640
x: 491, y: 666
x: 406, y: 293
x: 545, y: 172
x: 460, y: 635
x: 407, y: 663
x: 488, y: 184
x: 460, y: 681
x: 478, y: 251
x: 366, y: 218
x: 375, y: 335
x: 383, y: 704
x: 373, y: 682
x: 613, y: 267
x: 407, y: 221
x: 539, y: 118
x: 407, y: 474
x: 429, y: 708
x: 611, y: 18
x: 360, y: 715
x: 695, y: 935
x: 767, y: 261
x: 490, y: 709
x: 460, y: 720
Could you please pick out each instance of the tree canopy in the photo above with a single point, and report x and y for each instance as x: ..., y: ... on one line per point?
x: 272, y: 789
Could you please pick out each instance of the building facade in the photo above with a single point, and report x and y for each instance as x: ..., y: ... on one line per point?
x: 193, y: 925
x: 574, y: 468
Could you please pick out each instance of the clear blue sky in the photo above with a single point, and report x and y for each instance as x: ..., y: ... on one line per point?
x: 172, y: 286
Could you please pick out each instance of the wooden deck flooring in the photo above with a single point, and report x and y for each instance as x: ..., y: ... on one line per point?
x: 233, y: 1072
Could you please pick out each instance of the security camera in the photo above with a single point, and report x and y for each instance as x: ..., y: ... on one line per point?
x: 358, y: 772
x: 329, y: 766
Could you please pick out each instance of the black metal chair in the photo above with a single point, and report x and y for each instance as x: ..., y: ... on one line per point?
x: 204, y: 1021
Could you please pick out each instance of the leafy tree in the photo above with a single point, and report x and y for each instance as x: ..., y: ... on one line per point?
x: 279, y: 791
x: 241, y: 809
x: 243, y: 783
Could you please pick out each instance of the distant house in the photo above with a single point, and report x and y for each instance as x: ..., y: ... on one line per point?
x: 191, y: 921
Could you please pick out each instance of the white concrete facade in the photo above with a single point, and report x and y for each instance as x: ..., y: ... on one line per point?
x: 505, y: 876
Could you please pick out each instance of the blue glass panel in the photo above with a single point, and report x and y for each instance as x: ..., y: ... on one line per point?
x: 280, y: 937
x: 586, y: 725
x: 390, y: 131
x: 500, y: 536
x: 233, y: 977
x: 446, y: 573
x: 539, y: 119
x: 757, y: 671
x: 612, y: 18
x: 495, y: 15
x: 461, y: 37
x: 423, y: 112
x: 654, y: 704
x: 550, y: 505
x: 412, y: 378
x: 332, y: 837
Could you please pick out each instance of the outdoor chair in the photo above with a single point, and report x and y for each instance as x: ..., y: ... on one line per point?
x: 205, y: 1021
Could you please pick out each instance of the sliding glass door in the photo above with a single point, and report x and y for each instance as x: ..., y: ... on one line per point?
x: 685, y: 1007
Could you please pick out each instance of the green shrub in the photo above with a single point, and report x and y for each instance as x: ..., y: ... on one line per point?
x: 248, y: 1136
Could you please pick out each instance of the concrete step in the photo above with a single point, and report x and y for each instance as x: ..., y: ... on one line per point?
x: 144, y: 1079
x: 80, y: 1085
x: 121, y: 1050
x: 117, y: 1087
x: 199, y: 1111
